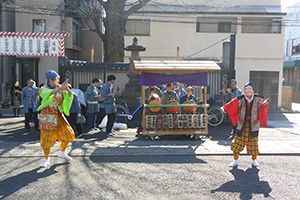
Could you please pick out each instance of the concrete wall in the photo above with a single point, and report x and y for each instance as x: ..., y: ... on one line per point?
x: 46, y: 64
x: 24, y: 22
x: 91, y: 38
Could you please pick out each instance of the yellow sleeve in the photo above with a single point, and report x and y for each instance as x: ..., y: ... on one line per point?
x: 67, y: 102
x: 46, y: 98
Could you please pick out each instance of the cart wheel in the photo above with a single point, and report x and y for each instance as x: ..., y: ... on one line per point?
x: 196, y: 137
x: 152, y: 138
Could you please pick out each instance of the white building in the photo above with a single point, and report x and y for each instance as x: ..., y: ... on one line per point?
x: 201, y: 26
x: 291, y: 63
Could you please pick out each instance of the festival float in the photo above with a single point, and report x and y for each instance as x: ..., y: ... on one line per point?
x: 192, y: 118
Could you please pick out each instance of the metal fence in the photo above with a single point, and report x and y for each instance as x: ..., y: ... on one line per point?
x: 80, y: 73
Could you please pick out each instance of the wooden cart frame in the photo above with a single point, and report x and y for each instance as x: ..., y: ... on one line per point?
x: 177, y: 67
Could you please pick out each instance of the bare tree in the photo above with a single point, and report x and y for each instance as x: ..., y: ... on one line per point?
x: 113, y: 14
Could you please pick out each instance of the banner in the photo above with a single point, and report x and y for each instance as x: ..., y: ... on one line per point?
x: 32, y: 44
x: 196, y: 79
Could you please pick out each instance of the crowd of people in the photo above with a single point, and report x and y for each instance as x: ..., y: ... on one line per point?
x: 98, y: 102
x: 181, y: 94
x: 59, y: 111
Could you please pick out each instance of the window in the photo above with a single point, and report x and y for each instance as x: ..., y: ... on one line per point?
x: 39, y: 25
x: 287, y: 48
x: 76, y: 34
x: 216, y: 25
x: 137, y: 27
x: 224, y: 27
x: 197, y: 27
x: 296, y: 46
x: 266, y: 84
x: 261, y: 25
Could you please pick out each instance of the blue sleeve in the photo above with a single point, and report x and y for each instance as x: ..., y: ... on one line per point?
x: 105, y: 91
x: 77, y: 105
x: 176, y: 97
x: 195, y: 99
x: 23, y: 96
x: 183, y: 99
x: 89, y: 94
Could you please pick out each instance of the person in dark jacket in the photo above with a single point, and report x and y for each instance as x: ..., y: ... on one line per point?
x: 74, y: 111
x: 92, y: 96
x: 108, y: 93
x: 101, y: 114
x: 15, y: 93
x: 189, y: 95
x: 30, y: 102
x: 180, y: 91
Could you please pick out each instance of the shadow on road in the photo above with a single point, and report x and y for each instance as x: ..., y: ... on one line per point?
x: 147, y: 159
x: 19, y: 135
x: 246, y: 183
x: 277, y: 116
x: 12, y: 184
x: 279, y: 120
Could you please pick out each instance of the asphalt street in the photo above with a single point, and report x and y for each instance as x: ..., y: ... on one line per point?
x: 170, y: 167
x: 151, y: 177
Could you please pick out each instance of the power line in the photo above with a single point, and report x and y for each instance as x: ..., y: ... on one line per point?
x: 206, y: 48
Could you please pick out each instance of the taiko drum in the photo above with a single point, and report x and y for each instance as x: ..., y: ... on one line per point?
x: 154, y: 99
x: 173, y: 109
x: 190, y: 109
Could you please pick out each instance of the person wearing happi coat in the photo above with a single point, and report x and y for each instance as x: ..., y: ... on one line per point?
x: 168, y: 95
x: 189, y: 95
x: 181, y: 93
x: 92, y: 96
x: 248, y: 112
x: 108, y: 92
x: 152, y: 89
x: 56, y: 101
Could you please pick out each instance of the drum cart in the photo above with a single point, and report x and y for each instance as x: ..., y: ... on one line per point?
x: 162, y: 72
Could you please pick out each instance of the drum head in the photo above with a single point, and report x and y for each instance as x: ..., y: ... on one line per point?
x: 155, y: 109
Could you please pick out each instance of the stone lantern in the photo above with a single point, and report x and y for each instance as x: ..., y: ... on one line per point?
x: 133, y: 85
x: 132, y: 88
x: 134, y: 78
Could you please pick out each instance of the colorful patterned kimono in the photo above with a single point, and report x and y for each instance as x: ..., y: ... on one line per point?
x: 247, y: 116
x: 53, y: 124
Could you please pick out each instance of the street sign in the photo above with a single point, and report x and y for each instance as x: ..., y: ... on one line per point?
x: 32, y: 44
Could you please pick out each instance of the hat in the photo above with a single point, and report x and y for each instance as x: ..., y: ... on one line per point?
x: 111, y: 77
x: 51, y: 74
x: 249, y: 84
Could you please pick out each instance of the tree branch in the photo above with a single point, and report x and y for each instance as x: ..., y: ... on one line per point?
x: 101, y: 35
x: 102, y: 3
x: 135, y: 8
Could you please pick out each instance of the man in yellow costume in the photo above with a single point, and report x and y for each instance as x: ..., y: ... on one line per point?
x: 56, y: 101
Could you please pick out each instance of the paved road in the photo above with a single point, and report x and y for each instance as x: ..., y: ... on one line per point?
x: 151, y: 177
x: 171, y: 167
x: 282, y: 137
